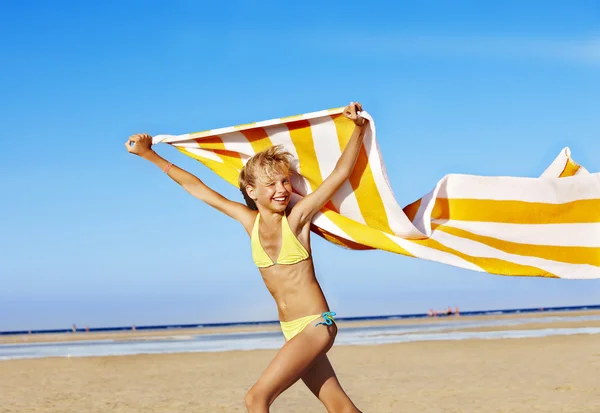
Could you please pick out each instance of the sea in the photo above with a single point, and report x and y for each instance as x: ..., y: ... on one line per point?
x: 438, y: 329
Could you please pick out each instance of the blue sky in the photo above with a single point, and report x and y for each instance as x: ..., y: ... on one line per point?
x: 94, y: 236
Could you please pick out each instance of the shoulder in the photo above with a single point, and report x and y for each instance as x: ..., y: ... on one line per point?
x: 296, y: 221
x: 249, y: 220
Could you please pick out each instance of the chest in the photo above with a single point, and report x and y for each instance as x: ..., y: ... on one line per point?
x: 271, y: 242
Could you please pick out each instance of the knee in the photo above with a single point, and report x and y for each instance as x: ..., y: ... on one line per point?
x: 251, y: 399
x: 255, y: 400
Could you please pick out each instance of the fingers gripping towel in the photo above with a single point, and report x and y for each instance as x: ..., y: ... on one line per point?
x: 545, y: 227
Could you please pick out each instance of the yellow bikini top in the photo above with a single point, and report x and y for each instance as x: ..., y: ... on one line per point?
x: 292, y: 251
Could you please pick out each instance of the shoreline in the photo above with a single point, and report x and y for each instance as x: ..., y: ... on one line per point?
x: 158, y: 334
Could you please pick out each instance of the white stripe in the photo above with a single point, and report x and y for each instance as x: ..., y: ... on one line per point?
x: 305, y: 116
x: 280, y: 135
x: 328, y: 152
x: 326, y: 144
x: 545, y: 190
x: 203, y: 153
x: 422, y: 219
x: 432, y: 254
x: 268, y: 123
x: 188, y: 144
x: 477, y: 249
x: 397, y: 219
x: 169, y: 138
x: 345, y: 201
x: 237, y: 142
x: 417, y: 250
x: 314, y: 115
x: 213, y: 132
x: 321, y: 221
x: 570, y: 235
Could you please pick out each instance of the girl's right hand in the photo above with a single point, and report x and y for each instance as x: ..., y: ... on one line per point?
x: 351, y: 112
x: 139, y: 144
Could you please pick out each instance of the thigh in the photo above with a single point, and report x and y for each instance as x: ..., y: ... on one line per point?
x: 293, y: 360
x: 323, y: 383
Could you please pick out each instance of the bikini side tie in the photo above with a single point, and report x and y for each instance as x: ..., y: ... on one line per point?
x: 327, y: 318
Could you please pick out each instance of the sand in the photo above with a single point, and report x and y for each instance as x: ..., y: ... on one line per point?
x: 550, y: 374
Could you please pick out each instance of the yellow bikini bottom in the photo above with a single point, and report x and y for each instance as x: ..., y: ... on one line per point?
x: 292, y: 328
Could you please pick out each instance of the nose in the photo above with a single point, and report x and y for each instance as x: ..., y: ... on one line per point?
x: 279, y: 187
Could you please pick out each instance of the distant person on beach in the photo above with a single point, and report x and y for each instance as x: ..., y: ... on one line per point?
x: 280, y: 242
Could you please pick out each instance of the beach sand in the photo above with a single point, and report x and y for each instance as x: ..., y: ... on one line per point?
x: 550, y: 374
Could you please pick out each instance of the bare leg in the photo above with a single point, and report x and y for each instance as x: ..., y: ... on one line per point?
x: 322, y: 381
x: 289, y: 365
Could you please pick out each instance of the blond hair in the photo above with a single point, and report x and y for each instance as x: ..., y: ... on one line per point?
x: 262, y: 167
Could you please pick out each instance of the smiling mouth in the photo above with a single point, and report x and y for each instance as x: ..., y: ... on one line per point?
x: 280, y: 198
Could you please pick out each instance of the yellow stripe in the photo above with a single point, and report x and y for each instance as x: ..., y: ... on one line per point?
x: 216, y: 145
x: 365, y: 235
x: 335, y: 239
x: 194, y: 135
x: 362, y: 180
x: 258, y: 138
x: 244, y: 126
x: 290, y: 118
x: 517, y: 212
x: 376, y: 239
x: 490, y: 265
x: 412, y: 209
x: 210, y: 142
x: 227, y: 172
x: 571, y: 168
x: 567, y: 254
x: 301, y: 135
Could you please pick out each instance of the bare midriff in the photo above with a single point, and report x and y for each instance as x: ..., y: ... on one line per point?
x: 295, y: 289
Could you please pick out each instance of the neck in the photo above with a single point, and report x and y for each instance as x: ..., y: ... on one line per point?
x: 271, y: 218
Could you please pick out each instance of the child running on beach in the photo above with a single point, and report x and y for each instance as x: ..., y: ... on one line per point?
x: 280, y: 241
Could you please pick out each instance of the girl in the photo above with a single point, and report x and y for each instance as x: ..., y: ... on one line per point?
x: 280, y: 241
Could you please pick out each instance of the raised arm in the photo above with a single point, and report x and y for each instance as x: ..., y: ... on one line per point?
x: 141, y: 145
x: 310, y: 204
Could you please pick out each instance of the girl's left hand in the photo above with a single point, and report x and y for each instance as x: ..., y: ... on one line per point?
x: 140, y: 144
x: 351, y: 113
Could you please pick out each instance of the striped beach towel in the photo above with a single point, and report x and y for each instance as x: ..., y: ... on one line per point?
x: 543, y: 227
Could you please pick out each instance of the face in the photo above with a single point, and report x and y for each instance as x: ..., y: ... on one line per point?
x: 272, y: 193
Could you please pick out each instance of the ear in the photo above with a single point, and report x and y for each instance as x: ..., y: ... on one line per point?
x: 251, y: 192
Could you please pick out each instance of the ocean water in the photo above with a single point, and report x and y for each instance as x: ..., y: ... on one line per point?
x: 369, y: 335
